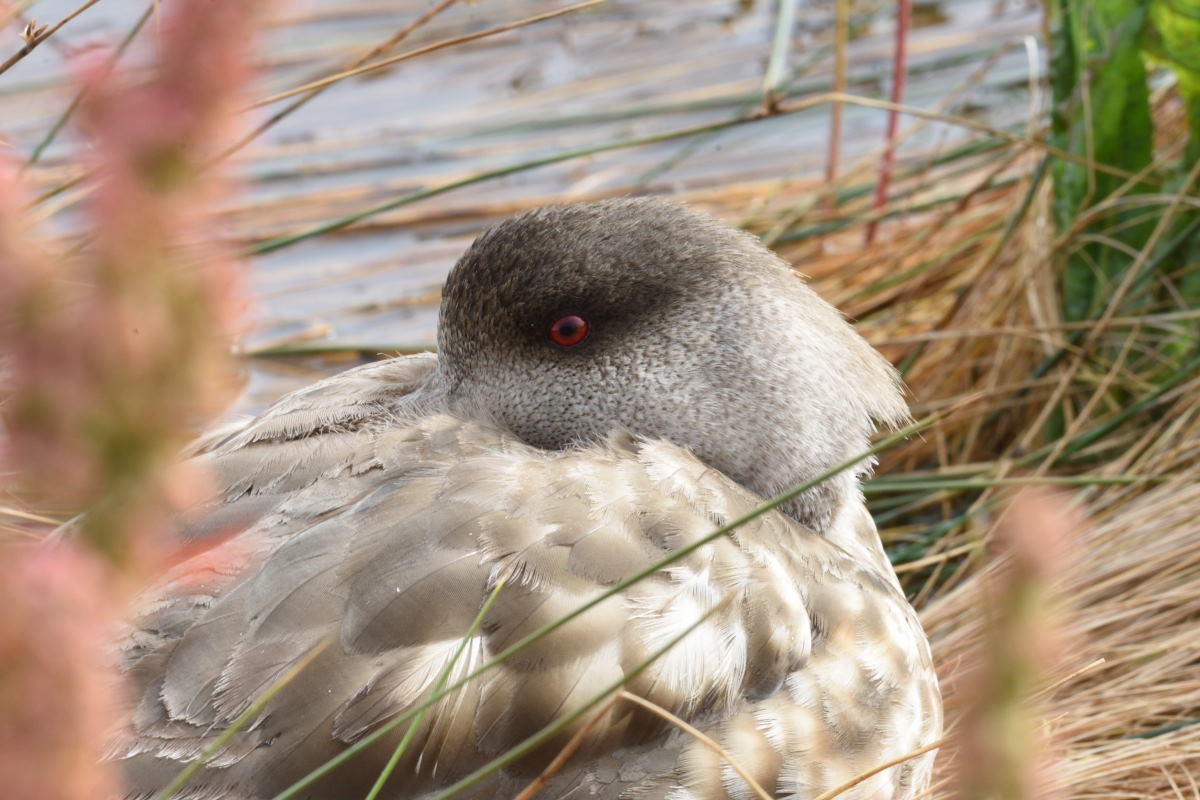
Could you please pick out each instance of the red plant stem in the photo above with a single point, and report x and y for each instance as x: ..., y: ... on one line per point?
x: 899, y: 75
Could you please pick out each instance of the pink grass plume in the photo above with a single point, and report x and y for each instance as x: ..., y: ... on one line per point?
x: 57, y: 702
x: 113, y: 356
x: 1004, y: 750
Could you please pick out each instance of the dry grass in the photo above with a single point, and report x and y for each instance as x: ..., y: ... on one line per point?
x: 968, y: 301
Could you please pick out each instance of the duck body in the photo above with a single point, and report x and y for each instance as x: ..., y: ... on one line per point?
x: 406, y: 522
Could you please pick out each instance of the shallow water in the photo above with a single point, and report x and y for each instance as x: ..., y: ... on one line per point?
x: 625, y: 69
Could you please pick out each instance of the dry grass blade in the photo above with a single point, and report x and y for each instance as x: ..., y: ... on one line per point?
x: 964, y: 122
x: 568, y: 750
x: 33, y: 35
x: 27, y: 515
x: 841, y: 37
x: 857, y: 779
x: 420, y: 51
x: 308, y: 96
x: 703, y: 739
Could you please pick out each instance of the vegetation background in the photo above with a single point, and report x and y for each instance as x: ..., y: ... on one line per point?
x: 1003, y: 195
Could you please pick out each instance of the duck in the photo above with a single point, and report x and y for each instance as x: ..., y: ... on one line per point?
x: 504, y: 553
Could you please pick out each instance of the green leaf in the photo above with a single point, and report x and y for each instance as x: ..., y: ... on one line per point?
x: 1172, y: 39
x: 1101, y: 111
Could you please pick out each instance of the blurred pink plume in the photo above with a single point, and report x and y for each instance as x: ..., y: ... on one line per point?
x: 1005, y: 749
x: 115, y: 351
x: 57, y: 701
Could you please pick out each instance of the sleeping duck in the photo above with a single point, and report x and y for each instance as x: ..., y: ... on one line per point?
x: 520, y: 528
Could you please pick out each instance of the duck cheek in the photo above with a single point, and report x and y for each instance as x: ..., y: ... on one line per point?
x: 556, y: 414
x: 557, y: 423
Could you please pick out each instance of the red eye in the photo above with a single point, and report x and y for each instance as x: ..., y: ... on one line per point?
x: 568, y: 330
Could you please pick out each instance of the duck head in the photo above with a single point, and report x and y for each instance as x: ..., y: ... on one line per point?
x: 568, y: 323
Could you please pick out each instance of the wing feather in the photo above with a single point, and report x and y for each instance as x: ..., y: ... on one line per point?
x: 385, y: 566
